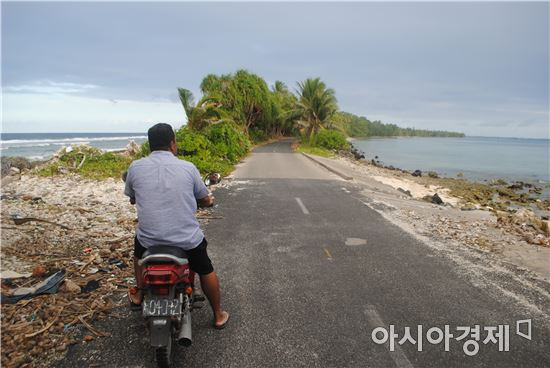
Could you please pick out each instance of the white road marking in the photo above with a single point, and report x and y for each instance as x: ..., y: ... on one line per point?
x: 398, y: 356
x: 355, y: 241
x: 304, y: 209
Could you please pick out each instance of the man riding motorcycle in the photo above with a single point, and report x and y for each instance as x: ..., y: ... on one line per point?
x: 166, y: 191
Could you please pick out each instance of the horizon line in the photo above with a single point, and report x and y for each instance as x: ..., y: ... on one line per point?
x: 394, y: 136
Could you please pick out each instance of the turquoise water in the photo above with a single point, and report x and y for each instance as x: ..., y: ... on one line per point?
x: 478, y: 158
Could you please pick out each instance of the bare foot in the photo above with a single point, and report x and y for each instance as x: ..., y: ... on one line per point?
x: 135, y: 295
x: 221, y: 320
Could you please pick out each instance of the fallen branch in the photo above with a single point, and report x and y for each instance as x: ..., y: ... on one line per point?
x: 210, y: 217
x: 87, y: 263
x: 47, y: 327
x: 24, y: 220
x: 76, y: 319
x: 21, y: 325
x: 93, y: 330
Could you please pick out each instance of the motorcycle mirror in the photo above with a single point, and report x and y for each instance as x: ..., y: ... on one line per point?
x: 212, y: 178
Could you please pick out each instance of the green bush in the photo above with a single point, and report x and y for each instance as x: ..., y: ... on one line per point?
x: 228, y: 141
x: 144, y: 149
x: 89, y: 162
x: 258, y: 135
x: 330, y: 139
x: 106, y: 165
x: 214, y: 149
x: 191, y: 142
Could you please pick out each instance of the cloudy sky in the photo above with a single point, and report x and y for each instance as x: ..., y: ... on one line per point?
x: 479, y: 68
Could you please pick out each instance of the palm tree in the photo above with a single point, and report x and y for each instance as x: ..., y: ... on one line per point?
x: 205, y: 113
x: 187, y: 100
x: 284, y: 104
x: 280, y: 87
x: 316, y: 105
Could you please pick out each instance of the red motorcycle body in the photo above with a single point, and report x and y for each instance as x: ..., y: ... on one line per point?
x: 168, y: 301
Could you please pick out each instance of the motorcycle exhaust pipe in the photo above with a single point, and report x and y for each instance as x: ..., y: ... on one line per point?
x: 184, y: 336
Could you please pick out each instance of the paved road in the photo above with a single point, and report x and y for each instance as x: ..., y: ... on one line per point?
x: 308, y: 271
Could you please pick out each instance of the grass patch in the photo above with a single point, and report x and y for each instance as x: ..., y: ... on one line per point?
x: 318, y: 151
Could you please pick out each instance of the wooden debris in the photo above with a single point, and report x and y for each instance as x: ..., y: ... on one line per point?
x: 92, y: 257
x: 50, y: 324
x: 93, y: 330
x: 24, y: 220
x: 37, y: 331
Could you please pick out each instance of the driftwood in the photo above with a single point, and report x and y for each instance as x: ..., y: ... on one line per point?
x: 93, y: 330
x: 24, y: 220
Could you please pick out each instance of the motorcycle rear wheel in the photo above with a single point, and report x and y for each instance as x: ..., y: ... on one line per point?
x: 164, y: 355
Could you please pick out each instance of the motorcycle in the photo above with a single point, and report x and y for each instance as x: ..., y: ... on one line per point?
x: 168, y: 300
x: 169, y: 296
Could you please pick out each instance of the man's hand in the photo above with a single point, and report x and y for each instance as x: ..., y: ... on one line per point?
x: 207, y: 201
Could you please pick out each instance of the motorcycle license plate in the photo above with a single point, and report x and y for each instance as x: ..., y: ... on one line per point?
x: 161, y: 307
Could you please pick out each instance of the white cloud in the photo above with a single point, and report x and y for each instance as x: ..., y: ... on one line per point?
x: 61, y: 112
x: 50, y: 87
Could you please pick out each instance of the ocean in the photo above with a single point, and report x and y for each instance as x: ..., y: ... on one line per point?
x: 40, y: 146
x: 477, y: 158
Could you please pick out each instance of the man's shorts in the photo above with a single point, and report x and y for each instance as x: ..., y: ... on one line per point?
x: 197, y: 257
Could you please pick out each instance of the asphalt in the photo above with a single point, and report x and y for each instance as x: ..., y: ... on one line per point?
x: 307, y: 272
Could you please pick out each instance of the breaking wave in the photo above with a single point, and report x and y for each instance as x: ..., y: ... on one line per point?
x: 63, y: 141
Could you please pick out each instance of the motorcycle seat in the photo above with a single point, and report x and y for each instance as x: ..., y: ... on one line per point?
x: 164, y: 254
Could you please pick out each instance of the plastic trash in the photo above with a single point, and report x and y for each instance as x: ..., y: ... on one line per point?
x: 48, y: 286
x: 117, y: 262
x: 90, y: 286
x: 8, y: 274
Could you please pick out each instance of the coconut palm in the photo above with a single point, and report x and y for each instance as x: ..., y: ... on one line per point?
x: 280, y: 87
x: 316, y: 105
x: 187, y: 100
x: 205, y: 113
x: 284, y: 103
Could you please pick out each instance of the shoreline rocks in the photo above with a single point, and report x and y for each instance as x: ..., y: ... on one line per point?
x: 16, y: 165
x: 511, y: 200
